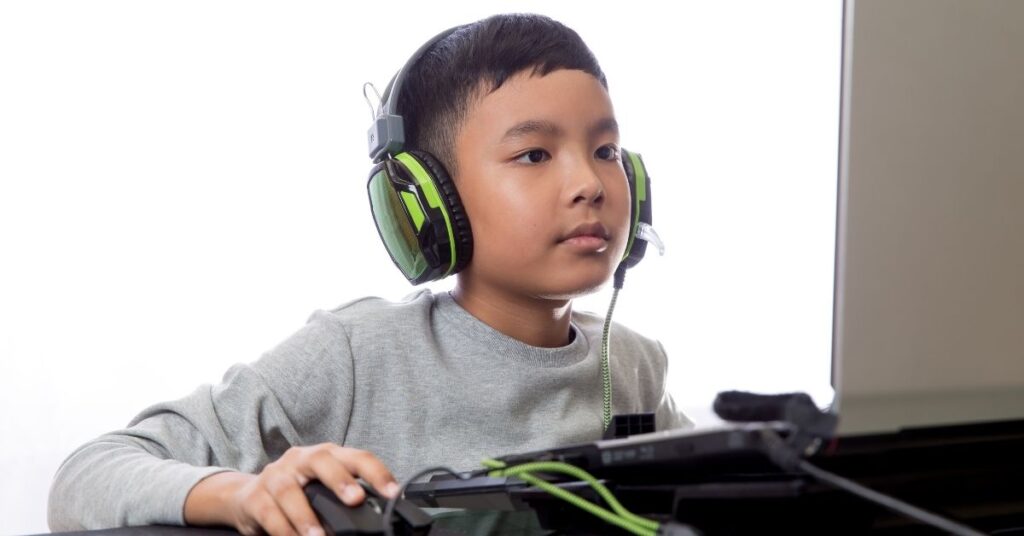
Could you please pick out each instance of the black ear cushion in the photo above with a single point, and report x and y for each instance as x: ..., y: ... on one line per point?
x: 460, y: 221
x: 627, y: 165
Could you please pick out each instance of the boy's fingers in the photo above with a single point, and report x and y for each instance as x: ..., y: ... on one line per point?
x: 269, y: 516
x: 287, y: 493
x: 327, y: 469
x: 366, y: 466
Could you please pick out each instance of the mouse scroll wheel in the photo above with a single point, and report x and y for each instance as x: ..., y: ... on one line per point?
x: 375, y: 504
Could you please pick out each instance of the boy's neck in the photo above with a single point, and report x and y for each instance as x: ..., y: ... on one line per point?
x: 534, y: 321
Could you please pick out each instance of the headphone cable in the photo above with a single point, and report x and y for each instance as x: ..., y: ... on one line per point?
x: 606, y: 374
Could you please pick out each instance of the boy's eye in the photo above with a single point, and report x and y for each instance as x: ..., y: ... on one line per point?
x: 535, y: 156
x: 608, y: 152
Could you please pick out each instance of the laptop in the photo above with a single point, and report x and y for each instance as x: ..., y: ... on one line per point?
x: 929, y: 282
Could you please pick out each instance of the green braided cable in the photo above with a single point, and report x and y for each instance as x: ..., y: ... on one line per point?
x: 606, y: 375
x: 588, y: 506
x: 579, y: 474
x: 621, y: 517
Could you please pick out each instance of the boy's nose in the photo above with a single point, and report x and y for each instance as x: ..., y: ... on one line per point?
x: 586, y: 186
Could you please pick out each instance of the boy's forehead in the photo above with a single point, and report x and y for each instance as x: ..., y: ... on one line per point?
x: 550, y: 104
x: 550, y: 128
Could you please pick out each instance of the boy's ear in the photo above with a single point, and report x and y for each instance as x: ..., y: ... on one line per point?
x: 419, y: 216
x: 640, y: 208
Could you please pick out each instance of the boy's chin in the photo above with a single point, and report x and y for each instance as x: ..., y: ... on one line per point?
x: 575, y: 289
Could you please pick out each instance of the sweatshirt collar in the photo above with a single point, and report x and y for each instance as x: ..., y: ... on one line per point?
x: 455, y: 317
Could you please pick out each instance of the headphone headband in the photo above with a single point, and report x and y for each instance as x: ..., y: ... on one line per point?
x: 387, y: 133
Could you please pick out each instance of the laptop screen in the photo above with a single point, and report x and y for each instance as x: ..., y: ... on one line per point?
x: 929, y: 298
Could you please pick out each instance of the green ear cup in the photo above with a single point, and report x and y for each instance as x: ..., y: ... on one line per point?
x: 419, y: 216
x: 640, y: 210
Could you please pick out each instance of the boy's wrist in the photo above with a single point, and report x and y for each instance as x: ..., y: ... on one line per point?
x: 208, y: 503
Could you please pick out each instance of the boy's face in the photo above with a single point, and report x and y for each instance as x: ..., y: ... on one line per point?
x: 541, y: 177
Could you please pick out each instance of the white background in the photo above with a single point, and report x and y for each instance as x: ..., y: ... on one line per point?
x: 183, y: 183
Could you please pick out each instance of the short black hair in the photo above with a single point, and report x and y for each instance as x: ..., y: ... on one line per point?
x: 480, y: 57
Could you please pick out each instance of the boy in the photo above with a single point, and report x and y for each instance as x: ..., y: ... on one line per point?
x: 516, y: 108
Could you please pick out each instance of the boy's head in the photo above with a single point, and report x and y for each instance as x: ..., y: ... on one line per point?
x: 516, y: 109
x: 477, y: 59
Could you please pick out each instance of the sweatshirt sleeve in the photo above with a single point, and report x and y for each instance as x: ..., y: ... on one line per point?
x: 298, y: 393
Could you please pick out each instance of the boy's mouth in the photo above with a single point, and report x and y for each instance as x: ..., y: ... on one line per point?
x: 588, y: 236
x: 594, y: 229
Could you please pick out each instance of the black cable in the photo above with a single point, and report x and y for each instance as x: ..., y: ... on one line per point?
x: 789, y: 459
x: 888, y: 501
x: 389, y: 509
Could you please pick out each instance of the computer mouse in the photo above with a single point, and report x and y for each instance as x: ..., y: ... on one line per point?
x: 340, y: 519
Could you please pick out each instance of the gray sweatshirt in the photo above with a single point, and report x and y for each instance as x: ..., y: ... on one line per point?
x: 419, y: 382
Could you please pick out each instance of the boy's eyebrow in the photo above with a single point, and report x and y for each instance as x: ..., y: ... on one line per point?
x: 608, y: 124
x: 540, y: 126
x: 531, y: 126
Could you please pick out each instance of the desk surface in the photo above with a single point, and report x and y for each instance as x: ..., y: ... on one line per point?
x: 467, y: 523
x: 154, y: 531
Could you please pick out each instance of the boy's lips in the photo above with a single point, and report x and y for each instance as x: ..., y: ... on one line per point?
x: 587, y: 237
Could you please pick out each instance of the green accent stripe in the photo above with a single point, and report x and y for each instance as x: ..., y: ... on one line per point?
x: 640, y: 174
x: 641, y: 180
x: 415, y: 211
x: 432, y: 195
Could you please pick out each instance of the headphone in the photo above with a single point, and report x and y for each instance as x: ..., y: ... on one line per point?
x: 417, y: 209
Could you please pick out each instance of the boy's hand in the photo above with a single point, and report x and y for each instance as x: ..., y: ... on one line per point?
x: 274, y: 502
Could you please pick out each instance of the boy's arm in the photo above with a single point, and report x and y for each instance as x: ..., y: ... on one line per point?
x: 295, y: 394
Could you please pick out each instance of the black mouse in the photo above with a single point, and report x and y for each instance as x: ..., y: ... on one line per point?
x: 339, y: 519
